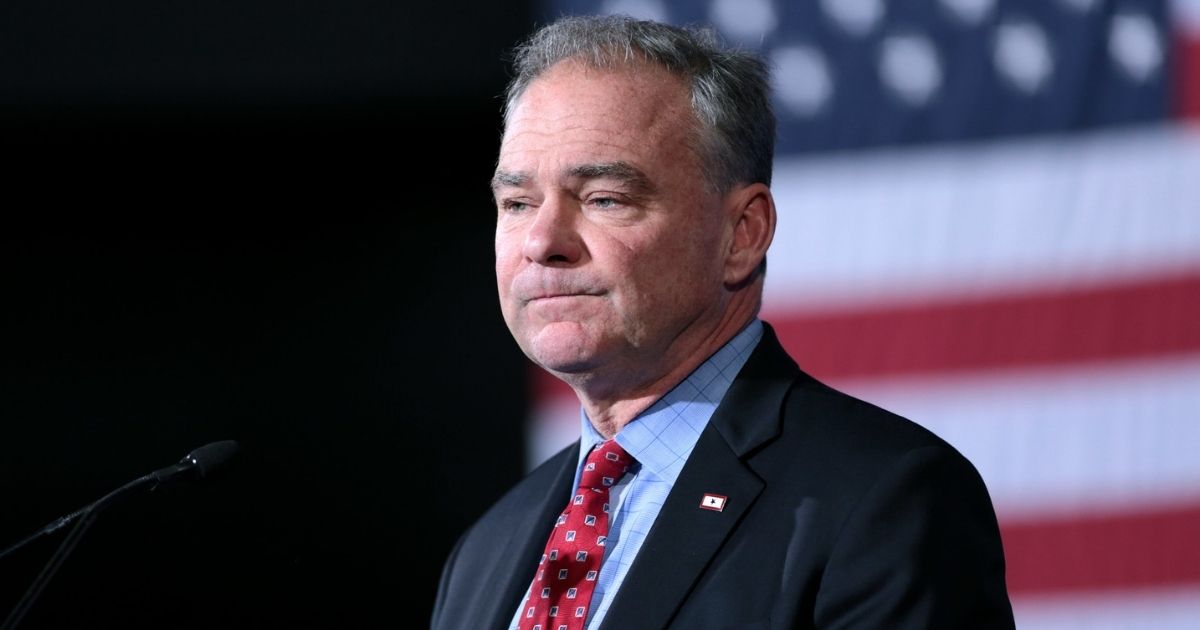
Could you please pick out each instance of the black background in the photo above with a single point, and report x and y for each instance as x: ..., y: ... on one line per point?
x: 267, y: 222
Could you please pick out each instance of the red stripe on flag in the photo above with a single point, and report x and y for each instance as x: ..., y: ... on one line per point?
x: 1148, y: 548
x: 1187, y: 76
x: 545, y: 387
x: 1159, y: 316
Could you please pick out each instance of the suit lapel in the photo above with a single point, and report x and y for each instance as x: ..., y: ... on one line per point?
x: 526, y: 538
x: 685, y: 537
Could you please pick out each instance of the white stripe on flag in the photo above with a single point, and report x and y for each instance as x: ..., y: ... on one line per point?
x: 554, y: 425
x: 1066, y: 441
x: 1186, y: 14
x: 1160, y: 609
x: 985, y: 218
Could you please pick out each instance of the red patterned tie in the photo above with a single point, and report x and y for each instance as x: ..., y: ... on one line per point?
x: 566, y: 575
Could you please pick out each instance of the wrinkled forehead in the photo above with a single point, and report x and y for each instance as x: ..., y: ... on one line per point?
x: 638, y: 98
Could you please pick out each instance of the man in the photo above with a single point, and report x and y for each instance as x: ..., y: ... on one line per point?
x: 715, y: 485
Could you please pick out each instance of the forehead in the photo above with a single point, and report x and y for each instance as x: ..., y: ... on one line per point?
x: 597, y: 114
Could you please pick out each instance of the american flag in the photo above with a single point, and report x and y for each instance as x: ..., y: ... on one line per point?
x: 990, y: 223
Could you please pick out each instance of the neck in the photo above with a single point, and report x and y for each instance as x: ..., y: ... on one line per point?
x: 612, y: 404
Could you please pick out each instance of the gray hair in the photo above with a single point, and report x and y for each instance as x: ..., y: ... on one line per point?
x: 730, y: 90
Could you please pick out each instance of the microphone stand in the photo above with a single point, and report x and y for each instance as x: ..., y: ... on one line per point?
x: 86, y: 516
x: 43, y: 578
x: 196, y: 464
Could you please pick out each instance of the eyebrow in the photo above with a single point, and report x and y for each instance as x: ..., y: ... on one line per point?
x: 509, y: 178
x: 623, y: 172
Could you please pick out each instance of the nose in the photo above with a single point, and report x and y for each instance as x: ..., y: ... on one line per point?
x: 553, y: 237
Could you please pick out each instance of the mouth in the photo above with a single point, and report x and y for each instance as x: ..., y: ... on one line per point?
x: 557, y: 296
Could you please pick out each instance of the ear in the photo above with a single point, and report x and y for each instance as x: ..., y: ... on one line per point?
x: 751, y: 210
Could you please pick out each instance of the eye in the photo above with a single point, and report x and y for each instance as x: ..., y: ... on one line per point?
x: 604, y: 203
x: 513, y: 205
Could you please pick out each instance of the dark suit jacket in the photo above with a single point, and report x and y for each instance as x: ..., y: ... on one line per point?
x: 840, y: 515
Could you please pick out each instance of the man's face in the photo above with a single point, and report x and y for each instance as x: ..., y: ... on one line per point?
x: 608, y: 242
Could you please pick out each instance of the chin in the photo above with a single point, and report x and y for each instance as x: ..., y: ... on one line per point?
x: 565, y: 362
x: 563, y: 347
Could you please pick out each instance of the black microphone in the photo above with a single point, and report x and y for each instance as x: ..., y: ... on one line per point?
x: 197, y: 464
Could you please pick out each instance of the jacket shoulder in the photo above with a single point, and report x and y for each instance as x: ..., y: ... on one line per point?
x: 532, y: 488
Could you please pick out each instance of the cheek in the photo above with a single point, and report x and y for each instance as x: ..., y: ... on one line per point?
x: 647, y: 283
x: 506, y: 270
x: 502, y: 281
x: 506, y: 263
x: 678, y: 275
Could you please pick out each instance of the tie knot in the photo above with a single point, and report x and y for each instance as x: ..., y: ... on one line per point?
x: 605, y: 466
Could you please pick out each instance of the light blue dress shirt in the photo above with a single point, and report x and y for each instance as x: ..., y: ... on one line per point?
x: 661, y: 438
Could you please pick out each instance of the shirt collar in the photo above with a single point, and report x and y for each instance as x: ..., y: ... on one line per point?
x: 662, y: 437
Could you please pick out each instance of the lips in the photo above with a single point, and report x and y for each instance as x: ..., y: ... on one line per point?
x: 531, y: 289
x: 549, y: 296
x: 553, y: 298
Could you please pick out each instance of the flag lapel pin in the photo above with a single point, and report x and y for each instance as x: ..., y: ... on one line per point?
x: 714, y: 502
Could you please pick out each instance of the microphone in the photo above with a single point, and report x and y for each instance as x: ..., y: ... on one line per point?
x: 198, y: 464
